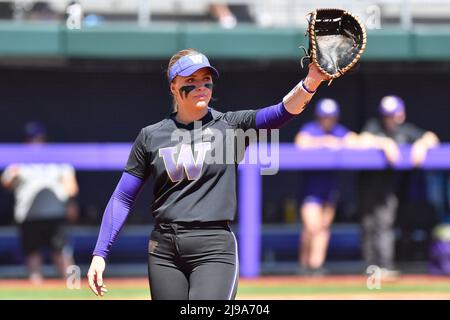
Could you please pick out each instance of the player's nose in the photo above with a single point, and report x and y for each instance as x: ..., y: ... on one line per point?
x: 201, y: 87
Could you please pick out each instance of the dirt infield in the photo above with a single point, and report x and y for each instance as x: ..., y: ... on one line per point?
x: 263, y: 288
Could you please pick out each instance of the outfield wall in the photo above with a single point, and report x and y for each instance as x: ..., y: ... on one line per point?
x: 160, y: 40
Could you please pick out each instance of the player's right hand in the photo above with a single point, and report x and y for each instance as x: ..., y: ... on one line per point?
x: 95, y: 276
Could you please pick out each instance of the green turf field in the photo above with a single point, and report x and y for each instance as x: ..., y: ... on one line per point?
x: 262, y: 288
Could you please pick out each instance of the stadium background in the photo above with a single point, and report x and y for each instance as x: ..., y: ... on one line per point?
x: 105, y: 81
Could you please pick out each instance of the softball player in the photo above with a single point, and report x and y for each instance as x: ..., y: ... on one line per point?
x: 192, y: 253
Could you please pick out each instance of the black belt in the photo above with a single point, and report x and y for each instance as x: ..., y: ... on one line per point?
x: 174, y: 226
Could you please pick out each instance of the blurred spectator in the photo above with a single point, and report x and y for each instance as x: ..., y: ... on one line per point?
x: 43, y: 194
x: 378, y: 198
x: 6, y: 10
x: 320, y: 187
x: 222, y: 13
x: 41, y: 10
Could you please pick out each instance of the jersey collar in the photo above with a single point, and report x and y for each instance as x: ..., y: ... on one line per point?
x: 211, y: 115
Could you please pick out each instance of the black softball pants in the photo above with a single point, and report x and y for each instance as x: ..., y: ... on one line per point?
x: 193, y: 262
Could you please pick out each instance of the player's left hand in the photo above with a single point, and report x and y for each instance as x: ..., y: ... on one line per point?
x: 314, y: 77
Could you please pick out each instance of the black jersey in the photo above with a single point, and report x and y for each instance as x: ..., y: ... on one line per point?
x: 375, y: 185
x: 405, y: 133
x: 188, y: 187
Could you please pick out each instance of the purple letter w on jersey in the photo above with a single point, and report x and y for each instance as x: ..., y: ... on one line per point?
x: 193, y: 167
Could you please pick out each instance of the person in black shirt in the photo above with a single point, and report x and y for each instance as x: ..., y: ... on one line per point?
x: 378, y: 199
x: 192, y: 251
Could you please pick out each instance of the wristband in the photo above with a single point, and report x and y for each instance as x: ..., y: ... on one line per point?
x: 306, y: 89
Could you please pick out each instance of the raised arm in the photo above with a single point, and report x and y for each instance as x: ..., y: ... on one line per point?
x: 296, y: 100
x: 293, y: 103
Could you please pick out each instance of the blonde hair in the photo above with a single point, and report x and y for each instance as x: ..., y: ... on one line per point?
x: 177, y: 56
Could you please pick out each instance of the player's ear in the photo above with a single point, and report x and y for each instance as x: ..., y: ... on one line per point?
x: 172, y: 87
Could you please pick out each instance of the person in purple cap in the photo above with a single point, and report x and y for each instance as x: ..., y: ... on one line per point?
x: 192, y: 253
x: 378, y: 189
x: 320, y: 190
